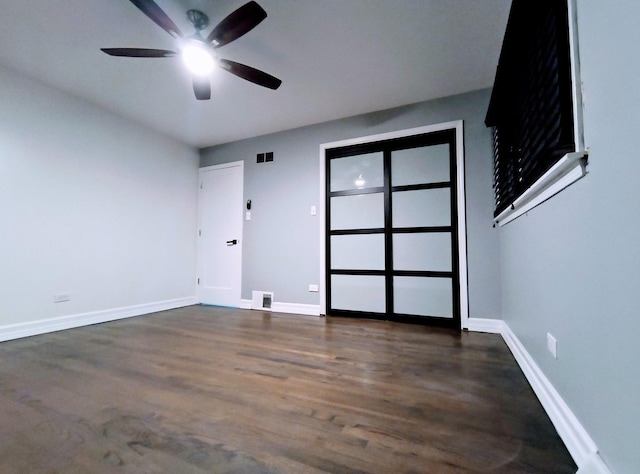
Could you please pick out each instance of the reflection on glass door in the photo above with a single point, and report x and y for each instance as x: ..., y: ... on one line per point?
x: 391, y: 230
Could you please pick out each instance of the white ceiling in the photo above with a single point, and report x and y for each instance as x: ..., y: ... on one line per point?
x: 336, y: 58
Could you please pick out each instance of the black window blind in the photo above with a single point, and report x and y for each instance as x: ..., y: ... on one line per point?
x: 531, y: 109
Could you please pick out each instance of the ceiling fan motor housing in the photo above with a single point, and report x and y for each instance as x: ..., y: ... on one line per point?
x: 198, y: 19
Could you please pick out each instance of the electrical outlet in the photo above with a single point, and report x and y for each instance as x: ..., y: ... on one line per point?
x: 552, y: 345
x: 61, y: 298
x: 313, y: 288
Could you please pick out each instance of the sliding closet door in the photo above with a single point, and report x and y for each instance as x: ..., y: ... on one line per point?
x: 391, y: 230
x: 357, y: 232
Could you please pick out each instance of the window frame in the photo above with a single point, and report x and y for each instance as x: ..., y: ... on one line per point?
x: 569, y: 167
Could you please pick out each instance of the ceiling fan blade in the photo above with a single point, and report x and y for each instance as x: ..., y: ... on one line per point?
x: 201, y: 88
x: 241, y: 21
x: 250, y: 74
x: 139, y: 52
x: 157, y: 14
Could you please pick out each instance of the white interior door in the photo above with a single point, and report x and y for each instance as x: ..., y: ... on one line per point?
x: 220, y: 234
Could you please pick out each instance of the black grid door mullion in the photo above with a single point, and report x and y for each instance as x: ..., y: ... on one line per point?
x: 388, y: 232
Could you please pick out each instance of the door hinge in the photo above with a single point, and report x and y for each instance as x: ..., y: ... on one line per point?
x: 199, y: 233
x: 198, y: 281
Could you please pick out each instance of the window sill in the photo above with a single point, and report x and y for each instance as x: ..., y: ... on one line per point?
x: 565, y: 172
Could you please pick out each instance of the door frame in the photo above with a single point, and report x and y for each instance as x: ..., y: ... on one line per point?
x: 458, y: 126
x: 201, y: 171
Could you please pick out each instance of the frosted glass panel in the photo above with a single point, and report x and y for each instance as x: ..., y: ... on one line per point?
x: 423, y: 208
x: 422, y: 296
x: 357, y: 252
x: 362, y: 211
x: 357, y: 172
x: 423, y: 251
x: 429, y: 164
x: 358, y: 293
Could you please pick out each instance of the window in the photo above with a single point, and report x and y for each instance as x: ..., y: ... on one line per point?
x: 535, y: 108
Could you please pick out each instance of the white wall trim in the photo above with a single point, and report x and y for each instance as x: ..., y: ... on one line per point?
x: 457, y: 125
x: 297, y: 308
x: 231, y: 164
x: 43, y: 326
x: 570, y: 168
x: 576, y: 79
x: 580, y: 445
x: 593, y: 465
x: 290, y: 308
x: 493, y: 326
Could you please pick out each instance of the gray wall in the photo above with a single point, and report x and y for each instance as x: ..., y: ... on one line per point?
x: 91, y: 205
x: 281, y: 242
x: 572, y: 266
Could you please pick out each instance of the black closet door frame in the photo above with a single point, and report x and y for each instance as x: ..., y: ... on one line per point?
x: 457, y: 127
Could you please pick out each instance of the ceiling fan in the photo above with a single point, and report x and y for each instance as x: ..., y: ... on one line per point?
x: 198, y: 53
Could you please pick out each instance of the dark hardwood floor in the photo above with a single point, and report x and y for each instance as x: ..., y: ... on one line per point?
x: 205, y: 389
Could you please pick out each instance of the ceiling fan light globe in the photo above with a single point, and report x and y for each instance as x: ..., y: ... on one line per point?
x: 198, y: 59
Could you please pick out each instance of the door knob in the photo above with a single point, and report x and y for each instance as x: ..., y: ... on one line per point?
x: 232, y: 242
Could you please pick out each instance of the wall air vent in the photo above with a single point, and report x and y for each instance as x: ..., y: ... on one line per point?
x: 262, y: 300
x: 264, y: 157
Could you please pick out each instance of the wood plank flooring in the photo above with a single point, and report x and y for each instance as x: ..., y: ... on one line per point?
x: 205, y: 389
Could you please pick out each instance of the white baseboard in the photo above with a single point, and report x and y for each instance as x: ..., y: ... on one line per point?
x: 291, y: 308
x: 580, y: 445
x: 493, y: 326
x: 578, y: 442
x: 297, y: 308
x: 593, y: 465
x: 42, y: 326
